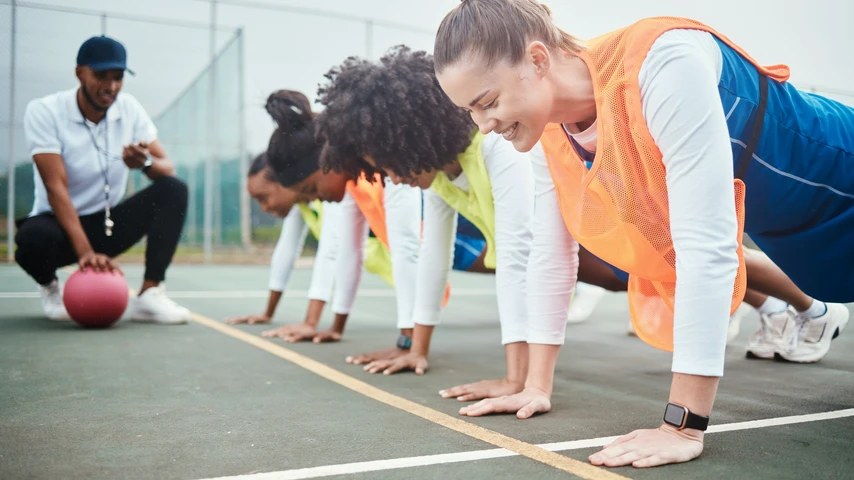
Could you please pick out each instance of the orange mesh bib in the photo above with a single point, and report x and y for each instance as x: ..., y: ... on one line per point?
x: 618, y: 210
x: 369, y: 199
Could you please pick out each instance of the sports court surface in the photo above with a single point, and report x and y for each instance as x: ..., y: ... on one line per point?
x: 207, y: 400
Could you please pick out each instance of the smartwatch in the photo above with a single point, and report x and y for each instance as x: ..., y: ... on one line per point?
x: 680, y: 417
x: 147, y: 164
x: 404, y: 342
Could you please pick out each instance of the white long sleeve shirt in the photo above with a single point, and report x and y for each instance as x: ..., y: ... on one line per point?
x: 288, y: 248
x: 290, y: 245
x: 323, y: 272
x: 402, y: 205
x: 682, y: 109
x: 512, y: 190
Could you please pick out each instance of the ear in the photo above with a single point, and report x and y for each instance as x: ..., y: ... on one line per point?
x: 539, y: 57
x: 78, y: 72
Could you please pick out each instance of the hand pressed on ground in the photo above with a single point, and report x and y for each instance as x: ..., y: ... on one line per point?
x: 651, y: 448
x: 484, y: 389
x: 410, y: 361
x: 524, y: 404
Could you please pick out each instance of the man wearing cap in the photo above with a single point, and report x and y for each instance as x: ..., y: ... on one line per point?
x: 84, y: 142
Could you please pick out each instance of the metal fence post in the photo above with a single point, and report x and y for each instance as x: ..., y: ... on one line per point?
x: 245, y: 206
x: 10, y: 177
x: 211, y: 136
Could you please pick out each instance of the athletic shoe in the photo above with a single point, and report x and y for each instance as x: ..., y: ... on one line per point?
x: 584, y: 302
x: 770, y: 337
x: 153, y: 306
x: 52, y: 304
x: 810, y: 340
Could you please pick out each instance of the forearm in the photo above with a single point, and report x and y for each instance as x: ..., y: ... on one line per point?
x: 340, y: 322
x: 350, y: 257
x: 541, y: 371
x: 315, y: 309
x: 273, y: 302
x: 68, y: 219
x: 421, y: 337
x: 512, y: 179
x: 552, y: 263
x: 694, y: 392
x: 160, y: 167
x: 517, y: 361
x: 434, y: 259
x: 403, y: 215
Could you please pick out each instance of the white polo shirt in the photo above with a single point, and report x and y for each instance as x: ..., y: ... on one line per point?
x: 54, y: 124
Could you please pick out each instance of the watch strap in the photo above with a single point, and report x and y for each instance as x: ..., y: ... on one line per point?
x: 404, y: 342
x: 696, y: 422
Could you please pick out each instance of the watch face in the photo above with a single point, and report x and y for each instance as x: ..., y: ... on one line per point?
x: 674, y: 414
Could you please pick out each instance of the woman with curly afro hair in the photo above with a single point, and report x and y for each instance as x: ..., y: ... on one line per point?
x: 387, y: 214
x: 392, y: 118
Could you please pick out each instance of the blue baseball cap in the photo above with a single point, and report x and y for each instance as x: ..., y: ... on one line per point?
x: 103, y: 53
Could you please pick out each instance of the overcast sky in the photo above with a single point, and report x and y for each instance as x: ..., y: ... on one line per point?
x: 289, y: 50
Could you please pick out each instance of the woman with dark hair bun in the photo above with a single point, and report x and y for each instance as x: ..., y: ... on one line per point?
x: 373, y: 215
x: 298, y: 222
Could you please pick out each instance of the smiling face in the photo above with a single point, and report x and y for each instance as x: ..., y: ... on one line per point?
x: 270, y: 195
x: 514, y: 101
x: 101, y: 87
x: 327, y: 187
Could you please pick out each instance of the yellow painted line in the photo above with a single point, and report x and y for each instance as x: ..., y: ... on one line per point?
x: 569, y: 465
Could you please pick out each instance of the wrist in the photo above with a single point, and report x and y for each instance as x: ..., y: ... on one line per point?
x: 534, y: 388
x: 421, y: 340
x: 543, y: 387
x: 84, y: 250
x: 339, y: 323
x: 685, y: 432
x: 421, y: 350
x: 404, y: 341
x: 517, y: 362
x: 541, y: 367
x: 694, y: 392
x: 311, y: 322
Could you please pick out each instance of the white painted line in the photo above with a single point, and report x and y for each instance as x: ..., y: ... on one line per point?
x: 19, y: 295
x: 426, y: 460
x: 377, y: 292
x: 578, y: 444
x: 775, y: 422
x: 376, y: 466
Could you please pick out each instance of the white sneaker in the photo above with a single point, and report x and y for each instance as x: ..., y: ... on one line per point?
x: 630, y: 329
x: 735, y: 321
x: 810, y: 341
x: 584, y: 302
x: 153, y: 306
x: 773, y: 330
x: 52, y: 303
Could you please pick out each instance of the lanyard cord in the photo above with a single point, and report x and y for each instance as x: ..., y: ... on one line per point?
x: 105, y: 172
